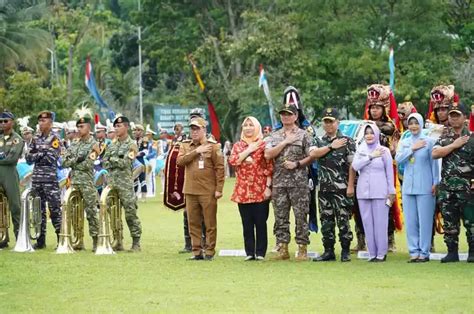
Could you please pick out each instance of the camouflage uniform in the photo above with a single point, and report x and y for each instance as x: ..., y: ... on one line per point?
x: 44, y: 151
x: 455, y: 197
x: 333, y: 201
x: 11, y: 148
x: 80, y: 157
x: 118, y: 161
x: 290, y: 187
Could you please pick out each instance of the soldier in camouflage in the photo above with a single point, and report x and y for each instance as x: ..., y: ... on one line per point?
x: 335, y: 153
x: 289, y: 148
x: 118, y: 161
x: 11, y: 148
x: 44, y: 151
x: 80, y: 157
x: 455, y: 194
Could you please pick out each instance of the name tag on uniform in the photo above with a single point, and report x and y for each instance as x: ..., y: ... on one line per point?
x: 201, y: 164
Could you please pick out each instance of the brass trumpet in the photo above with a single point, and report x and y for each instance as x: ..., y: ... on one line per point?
x: 4, y: 215
x: 110, y: 221
x: 30, y: 221
x: 71, y: 236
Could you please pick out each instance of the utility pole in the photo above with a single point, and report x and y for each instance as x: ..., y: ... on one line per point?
x: 140, y: 87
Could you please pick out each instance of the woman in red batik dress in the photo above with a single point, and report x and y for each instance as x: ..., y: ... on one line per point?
x: 252, y: 189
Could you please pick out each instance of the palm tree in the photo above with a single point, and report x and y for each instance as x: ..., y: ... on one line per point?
x: 20, y: 44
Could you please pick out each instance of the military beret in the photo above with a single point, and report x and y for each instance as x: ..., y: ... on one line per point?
x: 45, y: 115
x: 84, y: 120
x: 121, y: 119
x: 7, y: 115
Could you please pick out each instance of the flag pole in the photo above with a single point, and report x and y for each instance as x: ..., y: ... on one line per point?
x: 140, y: 87
x: 262, y: 82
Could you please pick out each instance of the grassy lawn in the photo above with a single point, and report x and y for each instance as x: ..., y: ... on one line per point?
x: 160, y: 280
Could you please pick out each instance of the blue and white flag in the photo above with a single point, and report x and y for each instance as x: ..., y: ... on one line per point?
x: 262, y: 82
x: 90, y: 83
x: 391, y: 66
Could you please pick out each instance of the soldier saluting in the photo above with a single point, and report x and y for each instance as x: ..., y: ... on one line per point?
x: 118, y: 160
x: 44, y: 151
x: 80, y: 157
x: 11, y: 147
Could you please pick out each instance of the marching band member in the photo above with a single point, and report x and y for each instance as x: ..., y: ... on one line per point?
x: 44, y: 152
x: 110, y: 131
x: 151, y: 157
x: 118, y: 161
x: 80, y: 157
x: 11, y: 148
x: 142, y: 145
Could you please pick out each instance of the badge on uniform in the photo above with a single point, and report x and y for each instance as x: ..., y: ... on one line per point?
x: 93, y: 155
x: 131, y: 154
x: 55, y: 143
x: 201, y: 163
x: 16, y: 141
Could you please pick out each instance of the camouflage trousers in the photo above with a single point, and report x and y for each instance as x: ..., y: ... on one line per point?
x: 128, y: 199
x: 49, y: 192
x: 283, y: 199
x: 335, y: 207
x: 456, y: 205
x: 89, y: 194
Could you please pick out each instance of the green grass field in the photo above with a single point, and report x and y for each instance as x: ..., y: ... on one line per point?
x: 160, y: 280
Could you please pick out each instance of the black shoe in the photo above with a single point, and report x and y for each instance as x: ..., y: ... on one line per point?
x: 413, y: 260
x: 423, y: 260
x: 39, y: 246
x: 372, y: 260
x: 208, y: 257
x: 451, y: 257
x: 249, y: 258
x: 185, y: 250
x: 196, y: 258
x: 345, y: 255
x: 380, y: 260
x: 326, y: 257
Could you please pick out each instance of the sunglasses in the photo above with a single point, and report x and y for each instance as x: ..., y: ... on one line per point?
x: 5, y: 121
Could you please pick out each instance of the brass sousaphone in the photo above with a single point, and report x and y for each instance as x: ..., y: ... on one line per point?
x: 4, y: 215
x: 71, y: 236
x: 30, y: 221
x: 110, y: 223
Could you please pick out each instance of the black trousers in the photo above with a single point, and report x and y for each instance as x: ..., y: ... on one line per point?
x: 254, y: 222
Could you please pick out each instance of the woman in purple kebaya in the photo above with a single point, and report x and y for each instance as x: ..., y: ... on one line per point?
x: 375, y: 190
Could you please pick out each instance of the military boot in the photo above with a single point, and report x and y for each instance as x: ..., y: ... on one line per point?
x: 470, y: 256
x: 40, y: 243
x: 360, y: 246
x: 345, y: 252
x: 302, y: 254
x: 94, y: 244
x: 452, y: 256
x: 187, y: 246
x: 4, y: 244
x: 282, y: 253
x: 391, y: 243
x: 328, y: 255
x: 135, y: 245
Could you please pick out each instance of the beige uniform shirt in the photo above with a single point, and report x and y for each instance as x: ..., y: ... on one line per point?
x: 204, y: 173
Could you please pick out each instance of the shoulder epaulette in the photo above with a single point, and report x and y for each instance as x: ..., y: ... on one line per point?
x: 211, y: 140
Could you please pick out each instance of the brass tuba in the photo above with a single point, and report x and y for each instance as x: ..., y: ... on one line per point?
x: 4, y: 215
x: 110, y: 221
x: 71, y: 236
x: 30, y: 221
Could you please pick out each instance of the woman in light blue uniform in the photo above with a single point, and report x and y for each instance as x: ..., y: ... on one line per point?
x: 420, y: 178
